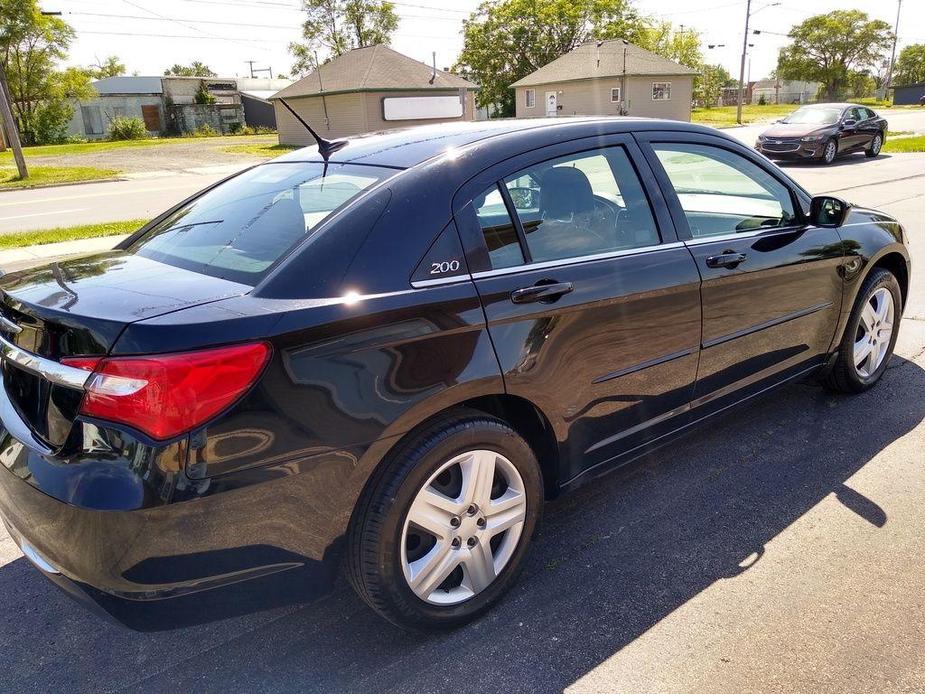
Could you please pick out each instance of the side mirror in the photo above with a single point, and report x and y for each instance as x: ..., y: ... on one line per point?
x: 848, y: 123
x: 828, y: 211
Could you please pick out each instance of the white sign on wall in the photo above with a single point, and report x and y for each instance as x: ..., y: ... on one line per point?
x: 421, y: 107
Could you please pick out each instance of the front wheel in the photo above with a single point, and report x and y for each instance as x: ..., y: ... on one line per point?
x: 875, y: 146
x: 441, y: 534
x: 870, y: 335
x: 830, y: 152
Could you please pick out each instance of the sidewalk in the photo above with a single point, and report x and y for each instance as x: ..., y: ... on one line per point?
x: 20, y: 258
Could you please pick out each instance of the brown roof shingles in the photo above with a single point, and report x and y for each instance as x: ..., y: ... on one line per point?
x: 582, y: 63
x: 373, y: 68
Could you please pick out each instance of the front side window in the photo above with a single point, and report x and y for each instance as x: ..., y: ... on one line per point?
x: 531, y: 97
x: 498, y: 229
x: 580, y: 205
x: 722, y: 192
x: 240, y: 228
x: 661, y: 91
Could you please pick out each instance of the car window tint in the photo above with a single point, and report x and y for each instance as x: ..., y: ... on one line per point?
x: 240, y: 228
x: 498, y: 229
x: 582, y: 204
x: 722, y: 192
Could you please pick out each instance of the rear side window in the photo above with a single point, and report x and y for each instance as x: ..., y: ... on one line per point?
x: 239, y: 229
x: 498, y: 229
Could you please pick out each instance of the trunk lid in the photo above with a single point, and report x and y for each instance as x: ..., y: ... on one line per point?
x: 80, y: 307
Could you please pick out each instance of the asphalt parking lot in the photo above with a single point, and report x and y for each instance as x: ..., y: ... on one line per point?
x: 778, y: 550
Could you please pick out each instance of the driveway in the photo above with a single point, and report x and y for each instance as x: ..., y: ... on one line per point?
x: 777, y: 550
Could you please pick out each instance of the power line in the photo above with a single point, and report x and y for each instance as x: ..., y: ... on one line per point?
x: 187, y: 22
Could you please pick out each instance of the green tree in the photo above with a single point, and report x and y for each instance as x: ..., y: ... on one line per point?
x: 828, y: 48
x: 334, y: 27
x: 111, y: 67
x: 505, y: 40
x: 709, y: 84
x: 194, y: 69
x: 31, y: 44
x: 910, y: 66
x: 203, y: 96
x: 663, y: 39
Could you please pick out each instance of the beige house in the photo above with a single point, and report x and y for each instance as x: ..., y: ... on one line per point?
x: 607, y: 78
x: 371, y: 89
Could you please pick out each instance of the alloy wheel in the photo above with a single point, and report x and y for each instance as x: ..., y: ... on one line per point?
x: 874, y: 334
x: 830, y: 150
x: 462, y: 527
x: 876, y: 145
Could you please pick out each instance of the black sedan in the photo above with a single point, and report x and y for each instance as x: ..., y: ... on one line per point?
x: 392, y: 354
x: 821, y: 132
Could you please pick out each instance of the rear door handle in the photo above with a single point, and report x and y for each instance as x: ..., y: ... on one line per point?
x: 727, y: 259
x: 545, y: 293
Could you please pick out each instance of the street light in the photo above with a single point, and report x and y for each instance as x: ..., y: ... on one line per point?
x: 748, y: 16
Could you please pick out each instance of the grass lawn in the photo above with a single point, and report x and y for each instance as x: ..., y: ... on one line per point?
x: 905, y: 144
x: 260, y: 149
x: 725, y: 116
x: 894, y: 133
x: 50, y: 175
x: 107, y: 145
x: 87, y: 231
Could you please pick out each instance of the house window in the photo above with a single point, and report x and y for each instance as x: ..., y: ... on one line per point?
x: 531, y: 97
x: 661, y: 91
x: 93, y: 122
x: 615, y: 95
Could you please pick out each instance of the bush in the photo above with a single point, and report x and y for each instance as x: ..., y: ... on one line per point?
x: 51, y: 119
x: 762, y: 101
x: 205, y: 130
x: 235, y: 128
x: 122, y: 128
x: 258, y: 130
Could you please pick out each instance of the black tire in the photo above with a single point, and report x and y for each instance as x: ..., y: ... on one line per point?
x: 829, y: 153
x: 875, y: 146
x: 844, y: 376
x: 374, y: 541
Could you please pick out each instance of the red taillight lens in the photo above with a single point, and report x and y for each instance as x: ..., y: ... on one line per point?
x: 166, y: 395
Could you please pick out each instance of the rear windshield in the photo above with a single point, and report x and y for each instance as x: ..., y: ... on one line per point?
x: 239, y: 229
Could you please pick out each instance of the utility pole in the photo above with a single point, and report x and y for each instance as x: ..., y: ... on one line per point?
x: 12, y: 133
x: 250, y: 64
x: 889, y: 74
x: 748, y: 14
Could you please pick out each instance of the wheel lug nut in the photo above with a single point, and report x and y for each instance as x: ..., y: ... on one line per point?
x: 480, y: 522
x: 471, y: 542
x: 471, y: 510
x: 454, y: 521
x: 456, y: 542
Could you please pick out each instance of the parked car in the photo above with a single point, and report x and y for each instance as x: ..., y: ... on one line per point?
x: 822, y: 132
x: 394, y: 357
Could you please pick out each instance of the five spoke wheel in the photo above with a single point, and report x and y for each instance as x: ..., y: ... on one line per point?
x: 874, y: 334
x: 463, y: 527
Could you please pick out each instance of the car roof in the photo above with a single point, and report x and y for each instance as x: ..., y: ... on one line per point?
x: 408, y: 147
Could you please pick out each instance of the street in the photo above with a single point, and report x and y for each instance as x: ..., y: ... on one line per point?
x: 778, y: 549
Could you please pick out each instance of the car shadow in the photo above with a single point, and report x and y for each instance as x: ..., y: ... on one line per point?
x: 843, y: 160
x: 609, y: 562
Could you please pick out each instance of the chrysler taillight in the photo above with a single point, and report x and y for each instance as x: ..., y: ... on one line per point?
x: 166, y: 395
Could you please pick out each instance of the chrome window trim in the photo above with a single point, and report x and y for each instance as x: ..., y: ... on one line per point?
x: 51, y: 371
x: 9, y: 327
x: 700, y: 240
x: 562, y: 262
x: 419, y: 284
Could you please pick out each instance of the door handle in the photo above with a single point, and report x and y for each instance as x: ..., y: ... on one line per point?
x: 727, y: 259
x: 545, y: 293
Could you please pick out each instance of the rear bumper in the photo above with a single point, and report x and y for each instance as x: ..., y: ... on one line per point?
x: 159, y: 568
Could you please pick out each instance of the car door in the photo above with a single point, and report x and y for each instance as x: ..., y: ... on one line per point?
x: 593, y: 305
x: 868, y: 126
x: 772, y: 287
x: 851, y: 133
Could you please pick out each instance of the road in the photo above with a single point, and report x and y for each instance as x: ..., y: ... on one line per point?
x: 778, y: 550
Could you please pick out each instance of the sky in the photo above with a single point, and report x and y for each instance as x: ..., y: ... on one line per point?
x: 150, y: 35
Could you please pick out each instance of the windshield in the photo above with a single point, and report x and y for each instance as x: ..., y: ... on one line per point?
x: 814, y: 116
x: 239, y: 229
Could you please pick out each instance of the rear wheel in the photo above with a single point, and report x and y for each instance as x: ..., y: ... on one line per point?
x: 830, y: 152
x: 441, y: 534
x: 875, y: 146
x: 870, y: 335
